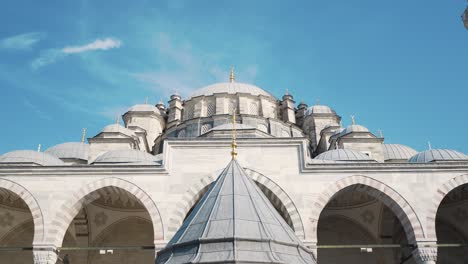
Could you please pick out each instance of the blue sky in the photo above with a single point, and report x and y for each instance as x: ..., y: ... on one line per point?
x: 396, y: 65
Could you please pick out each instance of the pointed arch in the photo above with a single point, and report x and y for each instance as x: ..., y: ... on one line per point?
x: 87, y: 194
x: 440, y: 194
x: 32, y: 204
x: 277, y: 196
x: 379, y: 190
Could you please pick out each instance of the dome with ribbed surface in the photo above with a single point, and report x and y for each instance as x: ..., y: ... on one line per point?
x: 116, y: 128
x: 320, y: 109
x: 353, y: 128
x: 343, y: 155
x: 143, y: 108
x: 30, y: 157
x: 230, y: 88
x: 397, y: 152
x: 127, y: 156
x: 70, y: 150
x: 438, y: 155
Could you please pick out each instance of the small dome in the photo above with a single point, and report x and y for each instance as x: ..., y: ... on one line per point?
x: 116, y: 128
x: 127, y: 156
x: 144, y: 108
x: 30, y: 157
x: 397, y: 152
x: 353, y: 128
x: 435, y: 155
x: 343, y: 155
x: 70, y: 150
x: 320, y: 109
x: 230, y: 88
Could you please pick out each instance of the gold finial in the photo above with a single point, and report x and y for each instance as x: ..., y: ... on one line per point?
x: 83, y: 135
x: 231, y: 75
x: 380, y: 133
x: 39, y: 148
x: 117, y: 120
x: 429, y: 145
x: 146, y: 100
x: 234, y: 132
x: 353, y: 121
x: 287, y: 91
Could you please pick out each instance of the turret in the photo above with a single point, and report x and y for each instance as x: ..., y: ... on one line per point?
x: 287, y: 109
x: 175, y: 110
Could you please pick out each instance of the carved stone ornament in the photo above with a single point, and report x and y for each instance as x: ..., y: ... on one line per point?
x: 44, y: 256
x: 425, y: 255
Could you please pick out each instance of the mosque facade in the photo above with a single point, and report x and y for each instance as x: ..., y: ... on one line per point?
x: 163, y: 188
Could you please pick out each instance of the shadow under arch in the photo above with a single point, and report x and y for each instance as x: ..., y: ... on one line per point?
x: 33, y: 205
x: 90, y: 192
x: 378, y: 190
x: 275, y: 194
x: 437, y: 199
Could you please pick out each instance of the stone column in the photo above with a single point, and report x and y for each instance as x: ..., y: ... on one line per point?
x: 425, y: 255
x: 45, y: 255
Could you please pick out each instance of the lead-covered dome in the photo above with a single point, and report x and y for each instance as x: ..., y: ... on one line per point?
x: 436, y: 155
x: 320, y: 109
x: 230, y: 88
x: 397, y: 152
x: 70, y: 150
x: 144, y: 108
x: 116, y: 128
x: 30, y: 157
x: 343, y: 155
x: 127, y: 156
x: 353, y: 128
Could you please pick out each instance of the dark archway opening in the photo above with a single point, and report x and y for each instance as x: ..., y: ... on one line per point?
x: 16, y: 228
x: 452, y: 226
x: 116, y: 225
x: 355, y: 217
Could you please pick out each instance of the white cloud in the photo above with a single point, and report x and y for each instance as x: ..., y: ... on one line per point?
x: 22, y: 41
x: 47, y: 57
x: 52, y: 55
x: 98, y: 44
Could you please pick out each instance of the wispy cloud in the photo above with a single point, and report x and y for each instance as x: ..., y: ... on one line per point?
x: 183, y: 68
x: 98, y: 44
x: 35, y: 109
x: 22, y: 41
x: 52, y: 55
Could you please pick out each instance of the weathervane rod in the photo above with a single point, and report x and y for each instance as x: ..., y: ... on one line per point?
x: 83, y: 135
x: 234, y: 134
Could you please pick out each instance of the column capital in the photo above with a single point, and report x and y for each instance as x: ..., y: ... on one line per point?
x: 425, y: 255
x: 43, y: 255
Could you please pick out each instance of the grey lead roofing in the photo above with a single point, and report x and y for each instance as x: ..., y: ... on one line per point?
x: 434, y: 155
x: 234, y: 222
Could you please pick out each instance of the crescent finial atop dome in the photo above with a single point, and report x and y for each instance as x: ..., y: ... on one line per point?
x: 231, y: 75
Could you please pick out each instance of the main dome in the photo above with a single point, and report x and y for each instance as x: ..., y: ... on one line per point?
x: 230, y: 88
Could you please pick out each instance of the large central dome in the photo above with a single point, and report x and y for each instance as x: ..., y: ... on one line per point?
x: 230, y: 88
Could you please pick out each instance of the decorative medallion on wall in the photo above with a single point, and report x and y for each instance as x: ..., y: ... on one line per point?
x: 6, y: 219
x: 100, y: 219
x: 368, y: 216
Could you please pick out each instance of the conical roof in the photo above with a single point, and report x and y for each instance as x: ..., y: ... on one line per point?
x: 234, y: 222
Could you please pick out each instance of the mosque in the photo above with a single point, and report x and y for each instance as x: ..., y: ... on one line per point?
x: 298, y: 187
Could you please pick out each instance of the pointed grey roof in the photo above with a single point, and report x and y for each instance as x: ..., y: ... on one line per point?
x: 234, y: 222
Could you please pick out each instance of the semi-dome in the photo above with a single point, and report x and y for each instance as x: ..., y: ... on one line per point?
x: 435, y: 155
x: 230, y: 88
x: 320, y: 109
x: 397, y: 152
x: 30, y: 157
x: 117, y: 128
x: 343, y: 155
x: 127, y: 156
x: 144, y: 108
x: 70, y: 150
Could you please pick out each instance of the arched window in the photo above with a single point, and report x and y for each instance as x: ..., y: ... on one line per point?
x: 205, y: 128
x: 253, y: 109
x: 211, y: 108
x: 181, y: 134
